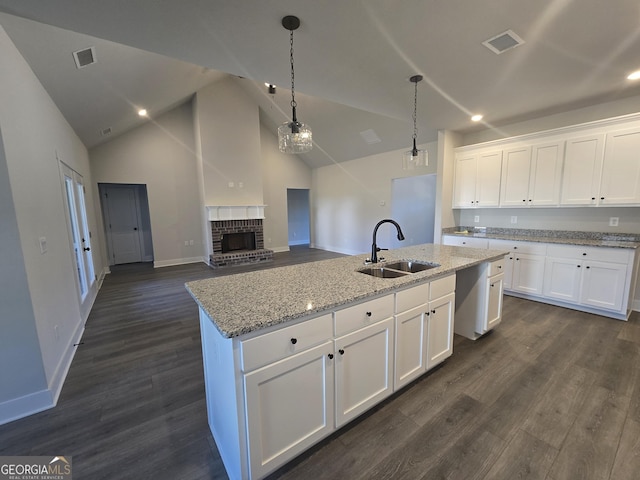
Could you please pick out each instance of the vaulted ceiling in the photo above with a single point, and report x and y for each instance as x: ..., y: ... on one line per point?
x: 353, y: 59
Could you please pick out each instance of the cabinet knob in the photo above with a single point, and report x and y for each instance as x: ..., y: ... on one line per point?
x: 433, y: 311
x: 492, y: 285
x: 368, y: 314
x: 601, y: 198
x: 529, y: 199
x: 517, y: 259
x: 588, y: 266
x: 294, y: 341
x: 499, y: 266
x: 593, y: 198
x: 427, y: 313
x: 584, y: 254
x: 524, y: 199
x: 341, y: 352
x: 515, y: 248
x: 578, y: 266
x: 510, y: 258
x: 330, y: 356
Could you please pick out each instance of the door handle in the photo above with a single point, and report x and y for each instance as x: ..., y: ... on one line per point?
x: 135, y: 228
x: 87, y: 249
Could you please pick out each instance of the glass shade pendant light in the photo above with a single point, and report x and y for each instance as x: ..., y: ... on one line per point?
x: 414, y: 157
x: 293, y: 136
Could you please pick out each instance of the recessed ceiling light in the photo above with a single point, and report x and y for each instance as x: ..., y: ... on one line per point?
x: 476, y: 118
x: 142, y: 112
x: 634, y: 76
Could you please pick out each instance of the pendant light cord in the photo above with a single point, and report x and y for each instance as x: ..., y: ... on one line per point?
x: 293, y: 92
x: 415, y: 113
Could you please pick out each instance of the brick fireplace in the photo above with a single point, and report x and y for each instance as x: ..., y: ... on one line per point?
x: 238, y: 242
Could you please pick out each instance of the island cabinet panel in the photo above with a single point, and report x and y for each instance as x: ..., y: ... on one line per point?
x: 582, y: 170
x: 440, y: 330
x: 621, y: 171
x: 284, y: 342
x: 603, y: 285
x: 289, y: 407
x: 411, y: 348
x: 364, y: 369
x: 363, y: 314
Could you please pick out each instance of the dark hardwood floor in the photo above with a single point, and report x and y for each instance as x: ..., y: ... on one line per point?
x: 550, y: 394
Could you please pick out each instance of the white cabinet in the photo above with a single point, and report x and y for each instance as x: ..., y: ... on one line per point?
x: 364, y: 369
x: 289, y: 407
x: 424, y: 328
x: 440, y: 330
x: 582, y: 170
x: 514, y: 187
x: 479, y: 293
x: 465, y: 241
x: 621, y: 171
x: 545, y: 174
x: 524, y: 266
x: 594, y: 277
x: 477, y: 179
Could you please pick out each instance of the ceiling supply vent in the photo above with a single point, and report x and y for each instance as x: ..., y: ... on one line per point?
x: 105, y: 132
x: 370, y: 136
x: 85, y: 57
x: 503, y: 42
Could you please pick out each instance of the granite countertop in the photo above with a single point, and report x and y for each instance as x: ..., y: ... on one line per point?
x: 246, y: 302
x: 592, y: 239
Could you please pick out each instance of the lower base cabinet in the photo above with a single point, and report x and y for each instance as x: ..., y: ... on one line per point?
x: 363, y: 369
x: 280, y: 428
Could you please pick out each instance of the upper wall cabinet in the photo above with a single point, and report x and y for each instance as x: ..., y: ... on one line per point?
x: 595, y: 164
x: 582, y: 169
x: 621, y: 172
x: 477, y: 179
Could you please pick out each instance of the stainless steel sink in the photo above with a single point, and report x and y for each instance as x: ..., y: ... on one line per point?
x: 383, y: 272
x: 411, y: 267
x: 397, y: 269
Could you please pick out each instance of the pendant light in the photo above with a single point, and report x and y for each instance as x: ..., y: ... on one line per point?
x: 293, y: 136
x: 414, y: 157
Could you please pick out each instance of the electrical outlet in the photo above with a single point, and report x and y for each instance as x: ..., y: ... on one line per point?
x: 43, y: 245
x: 190, y: 242
x: 231, y: 185
x: 476, y: 219
x: 240, y: 185
x: 514, y: 219
x: 186, y: 243
x: 613, y: 221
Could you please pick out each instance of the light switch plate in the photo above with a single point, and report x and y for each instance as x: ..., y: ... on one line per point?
x: 613, y: 221
x: 476, y: 219
x: 514, y: 219
x: 43, y: 244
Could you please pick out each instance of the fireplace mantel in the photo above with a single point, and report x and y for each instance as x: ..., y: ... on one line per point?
x: 235, y: 212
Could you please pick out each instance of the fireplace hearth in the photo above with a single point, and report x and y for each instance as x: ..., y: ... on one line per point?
x: 238, y: 242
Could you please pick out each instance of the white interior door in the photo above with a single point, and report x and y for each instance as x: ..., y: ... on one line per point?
x: 78, y: 229
x: 123, y: 224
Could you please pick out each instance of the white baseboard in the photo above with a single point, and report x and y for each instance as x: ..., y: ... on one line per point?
x: 177, y: 261
x: 280, y: 249
x: 330, y: 248
x: 635, y: 306
x: 60, y: 375
x: 26, y: 405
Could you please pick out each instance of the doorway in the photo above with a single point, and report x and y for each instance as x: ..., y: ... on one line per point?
x: 413, y: 206
x: 127, y: 224
x: 298, y: 216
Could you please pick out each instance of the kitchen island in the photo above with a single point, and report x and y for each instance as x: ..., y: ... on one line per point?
x: 293, y: 353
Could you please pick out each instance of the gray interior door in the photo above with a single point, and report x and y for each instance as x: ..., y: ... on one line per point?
x: 123, y: 224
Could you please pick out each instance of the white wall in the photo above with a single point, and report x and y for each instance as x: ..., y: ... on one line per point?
x: 349, y: 198
x: 35, y: 135
x: 281, y: 171
x: 160, y: 154
x: 229, y: 133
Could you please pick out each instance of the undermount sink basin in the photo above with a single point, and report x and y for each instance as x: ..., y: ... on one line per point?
x: 411, y: 267
x: 383, y: 272
x: 397, y: 269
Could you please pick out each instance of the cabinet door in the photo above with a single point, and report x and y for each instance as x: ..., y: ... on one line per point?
x: 621, y: 170
x: 464, y: 190
x: 528, y: 273
x: 562, y: 279
x: 410, y: 346
x: 364, y: 369
x: 581, y: 170
x: 489, y: 171
x: 495, y: 290
x: 546, y: 171
x: 440, y: 330
x: 289, y: 407
x: 516, y: 163
x: 603, y: 285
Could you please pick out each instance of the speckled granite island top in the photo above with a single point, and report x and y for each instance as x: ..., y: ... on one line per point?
x: 246, y: 302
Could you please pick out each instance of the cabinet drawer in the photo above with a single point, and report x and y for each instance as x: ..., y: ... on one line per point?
x: 268, y: 348
x: 442, y: 286
x: 358, y: 316
x: 412, y: 297
x: 533, y: 248
x: 496, y: 267
x: 601, y: 254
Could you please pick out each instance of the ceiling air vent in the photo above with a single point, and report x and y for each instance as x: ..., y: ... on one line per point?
x: 503, y: 42
x: 85, y: 57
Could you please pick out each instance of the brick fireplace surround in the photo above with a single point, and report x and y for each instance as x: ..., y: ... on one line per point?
x: 221, y: 227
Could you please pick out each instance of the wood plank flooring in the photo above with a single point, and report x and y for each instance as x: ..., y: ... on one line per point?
x: 551, y: 394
